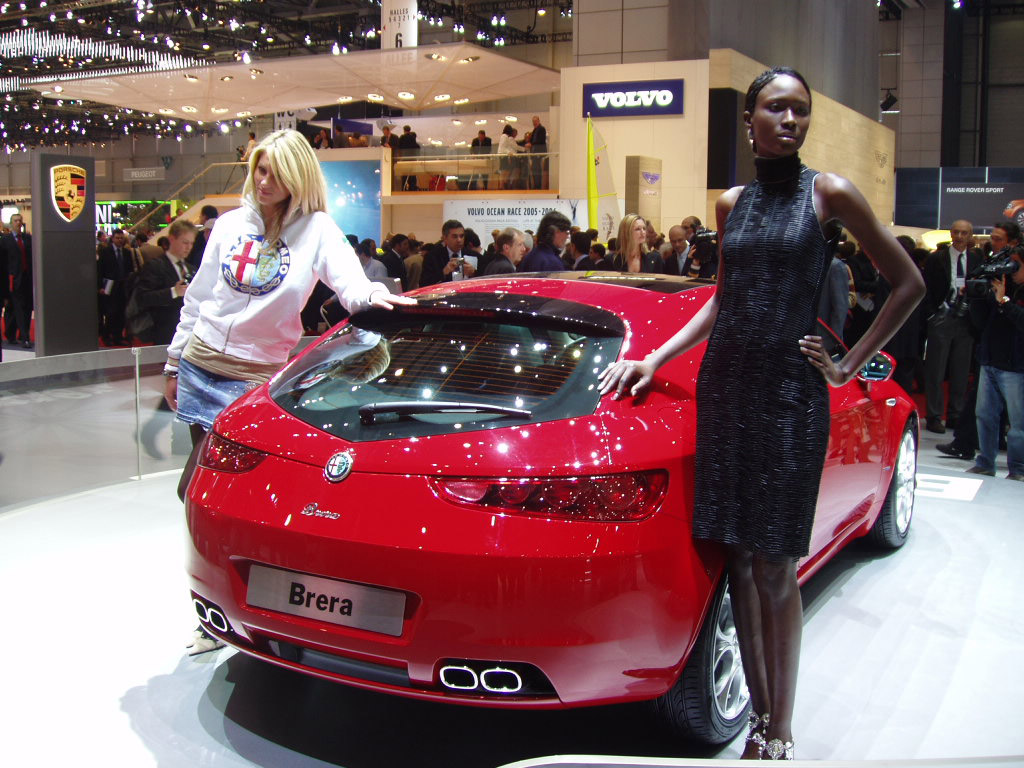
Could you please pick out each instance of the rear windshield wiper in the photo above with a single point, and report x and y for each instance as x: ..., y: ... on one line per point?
x: 408, y: 407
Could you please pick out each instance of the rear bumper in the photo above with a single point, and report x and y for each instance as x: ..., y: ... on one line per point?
x: 603, y: 612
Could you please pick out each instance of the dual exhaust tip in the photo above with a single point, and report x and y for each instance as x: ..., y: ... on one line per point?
x: 496, y: 679
x: 211, y: 615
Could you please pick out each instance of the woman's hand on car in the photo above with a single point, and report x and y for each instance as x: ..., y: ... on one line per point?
x: 385, y: 300
x: 620, y: 375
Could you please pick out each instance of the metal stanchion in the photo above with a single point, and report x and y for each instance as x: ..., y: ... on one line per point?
x: 138, y: 415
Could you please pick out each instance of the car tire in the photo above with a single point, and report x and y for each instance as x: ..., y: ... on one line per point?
x: 709, y: 702
x: 892, y: 527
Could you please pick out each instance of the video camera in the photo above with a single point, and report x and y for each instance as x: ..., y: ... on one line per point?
x: 996, y: 266
x: 702, y: 235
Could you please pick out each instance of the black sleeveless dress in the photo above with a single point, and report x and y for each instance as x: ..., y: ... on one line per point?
x: 762, y: 408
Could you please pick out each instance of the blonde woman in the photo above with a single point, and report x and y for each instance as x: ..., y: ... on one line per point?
x: 633, y: 255
x: 240, y: 318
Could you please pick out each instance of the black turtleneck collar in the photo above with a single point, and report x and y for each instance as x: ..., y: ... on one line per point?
x: 773, y: 170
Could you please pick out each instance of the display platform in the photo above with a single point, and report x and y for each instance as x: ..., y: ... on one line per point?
x: 913, y: 655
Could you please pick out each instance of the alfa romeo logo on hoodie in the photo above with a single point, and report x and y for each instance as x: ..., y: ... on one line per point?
x: 254, y: 266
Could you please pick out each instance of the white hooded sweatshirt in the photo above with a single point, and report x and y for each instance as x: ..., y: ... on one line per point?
x: 246, y: 297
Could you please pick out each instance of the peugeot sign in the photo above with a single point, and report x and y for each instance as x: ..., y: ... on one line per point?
x: 630, y: 99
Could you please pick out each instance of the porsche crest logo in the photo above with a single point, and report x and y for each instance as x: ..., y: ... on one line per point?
x: 67, y: 190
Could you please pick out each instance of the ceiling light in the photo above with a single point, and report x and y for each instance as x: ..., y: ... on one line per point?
x: 468, y: 60
x: 461, y: 101
x: 192, y: 78
x: 442, y: 97
x: 243, y: 113
x: 58, y: 88
x: 436, y: 57
x: 406, y: 95
x: 344, y: 99
x: 218, y: 110
x: 541, y: 11
x: 165, y: 111
x: 512, y: 118
x: 460, y: 143
x: 374, y: 97
x: 456, y: 122
x: 336, y: 49
x: 227, y: 79
x: 189, y: 109
x: 480, y: 122
x: 224, y: 128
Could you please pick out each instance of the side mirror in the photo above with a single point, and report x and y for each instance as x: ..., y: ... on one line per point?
x: 878, y: 368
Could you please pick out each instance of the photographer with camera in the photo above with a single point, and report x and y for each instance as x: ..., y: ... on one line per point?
x: 950, y: 340
x: 995, y: 295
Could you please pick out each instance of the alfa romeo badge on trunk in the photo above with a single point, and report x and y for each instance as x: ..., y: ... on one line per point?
x: 338, y: 466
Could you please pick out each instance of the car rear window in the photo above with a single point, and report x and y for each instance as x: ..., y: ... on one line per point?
x: 402, y: 369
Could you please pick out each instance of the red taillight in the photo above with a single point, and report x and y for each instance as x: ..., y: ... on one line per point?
x: 226, y: 456
x: 606, y: 498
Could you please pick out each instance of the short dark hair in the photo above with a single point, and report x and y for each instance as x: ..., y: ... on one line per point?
x: 365, y: 248
x: 581, y: 242
x: 1011, y: 228
x: 449, y: 225
x: 472, y: 238
x: 353, y: 240
x: 766, y: 77
x: 397, y: 240
x: 553, y: 221
x: 599, y: 249
x: 209, y: 211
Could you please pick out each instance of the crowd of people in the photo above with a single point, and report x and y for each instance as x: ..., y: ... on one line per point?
x: 520, y: 165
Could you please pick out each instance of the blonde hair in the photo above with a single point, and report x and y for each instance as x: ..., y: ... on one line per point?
x: 625, y: 239
x: 296, y: 168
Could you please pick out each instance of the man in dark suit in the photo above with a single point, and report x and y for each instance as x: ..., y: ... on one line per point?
x: 408, y: 147
x: 163, y: 281
x: 18, y: 250
x: 481, y: 145
x: 387, y: 138
x: 114, y: 264
x: 207, y: 218
x: 394, y: 259
x: 446, y: 257
x: 950, y: 338
x: 538, y: 145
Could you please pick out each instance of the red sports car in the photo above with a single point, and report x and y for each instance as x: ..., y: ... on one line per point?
x: 434, y: 502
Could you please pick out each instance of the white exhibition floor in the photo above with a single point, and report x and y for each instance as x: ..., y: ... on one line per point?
x: 917, y: 654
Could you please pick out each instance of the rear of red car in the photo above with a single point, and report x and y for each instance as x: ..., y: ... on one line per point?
x: 434, y: 502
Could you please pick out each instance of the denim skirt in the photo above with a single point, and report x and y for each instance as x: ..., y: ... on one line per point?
x: 203, y: 395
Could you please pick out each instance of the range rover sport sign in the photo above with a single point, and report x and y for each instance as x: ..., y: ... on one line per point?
x: 644, y: 97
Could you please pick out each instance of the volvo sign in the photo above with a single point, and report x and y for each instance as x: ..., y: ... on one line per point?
x: 645, y: 97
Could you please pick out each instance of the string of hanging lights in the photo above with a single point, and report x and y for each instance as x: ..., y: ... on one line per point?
x: 45, y: 42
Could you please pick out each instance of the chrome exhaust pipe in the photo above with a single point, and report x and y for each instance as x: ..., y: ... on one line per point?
x: 501, y: 680
x: 459, y: 678
x: 218, y: 620
x: 211, y: 616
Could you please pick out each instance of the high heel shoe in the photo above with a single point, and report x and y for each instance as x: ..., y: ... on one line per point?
x: 777, y: 749
x: 757, y: 728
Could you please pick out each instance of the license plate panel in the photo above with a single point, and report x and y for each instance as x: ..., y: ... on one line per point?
x: 338, y: 602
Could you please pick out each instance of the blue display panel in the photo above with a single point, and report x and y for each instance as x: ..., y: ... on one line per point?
x: 353, y: 196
